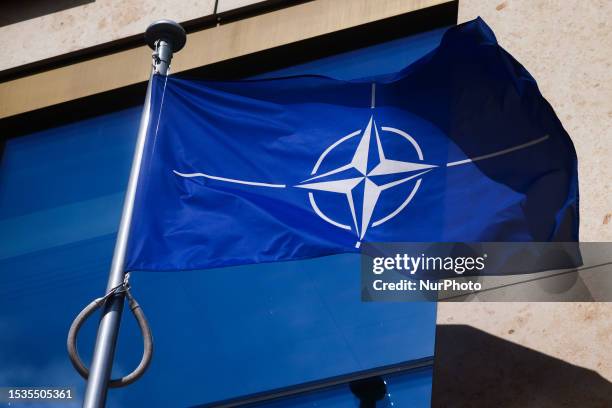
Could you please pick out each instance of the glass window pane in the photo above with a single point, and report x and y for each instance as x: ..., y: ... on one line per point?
x: 219, y: 334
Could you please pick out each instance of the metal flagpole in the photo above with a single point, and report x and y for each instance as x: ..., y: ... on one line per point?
x: 164, y: 37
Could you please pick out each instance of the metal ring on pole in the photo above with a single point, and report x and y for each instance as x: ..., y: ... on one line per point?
x: 145, y: 330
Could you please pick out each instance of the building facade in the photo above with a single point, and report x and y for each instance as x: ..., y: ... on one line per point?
x: 71, y: 89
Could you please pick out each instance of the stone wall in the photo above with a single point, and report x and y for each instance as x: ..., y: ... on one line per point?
x: 567, y: 46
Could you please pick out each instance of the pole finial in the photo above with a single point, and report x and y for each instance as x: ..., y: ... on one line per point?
x: 165, y: 37
x: 168, y: 31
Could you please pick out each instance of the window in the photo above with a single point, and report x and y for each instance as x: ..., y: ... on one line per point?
x: 219, y: 334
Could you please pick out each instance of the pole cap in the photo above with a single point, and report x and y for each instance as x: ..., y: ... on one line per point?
x: 168, y: 31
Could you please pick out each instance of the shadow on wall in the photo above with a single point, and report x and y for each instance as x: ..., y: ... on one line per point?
x: 475, y: 369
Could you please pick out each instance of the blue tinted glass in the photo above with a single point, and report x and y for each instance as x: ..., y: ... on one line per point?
x: 219, y: 334
x: 60, y: 201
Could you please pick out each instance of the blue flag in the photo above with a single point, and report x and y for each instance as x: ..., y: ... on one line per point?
x: 458, y: 146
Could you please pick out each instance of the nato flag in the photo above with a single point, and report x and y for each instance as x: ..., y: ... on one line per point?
x: 459, y: 146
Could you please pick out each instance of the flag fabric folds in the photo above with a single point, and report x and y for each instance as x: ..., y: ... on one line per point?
x: 458, y: 146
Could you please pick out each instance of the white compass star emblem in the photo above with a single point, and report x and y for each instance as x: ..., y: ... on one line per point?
x: 340, y: 181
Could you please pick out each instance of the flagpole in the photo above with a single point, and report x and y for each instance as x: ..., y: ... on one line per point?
x: 164, y: 37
